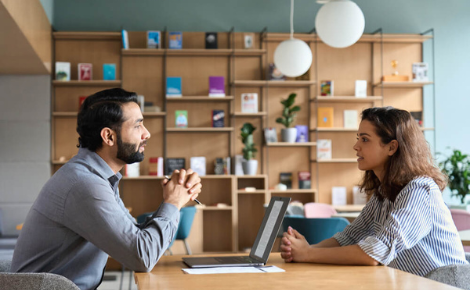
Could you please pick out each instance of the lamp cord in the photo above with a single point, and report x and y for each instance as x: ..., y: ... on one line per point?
x: 291, y: 19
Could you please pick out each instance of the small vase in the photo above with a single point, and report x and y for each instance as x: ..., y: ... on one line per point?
x: 250, y: 167
x: 289, y: 135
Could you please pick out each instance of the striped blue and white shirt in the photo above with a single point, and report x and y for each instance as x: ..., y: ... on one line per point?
x: 415, y: 233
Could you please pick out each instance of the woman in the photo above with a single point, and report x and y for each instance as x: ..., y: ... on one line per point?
x: 405, y: 224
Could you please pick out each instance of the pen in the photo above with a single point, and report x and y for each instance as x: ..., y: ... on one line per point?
x: 195, y: 200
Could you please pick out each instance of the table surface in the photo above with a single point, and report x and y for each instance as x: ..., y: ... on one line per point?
x: 465, y: 237
x: 167, y: 274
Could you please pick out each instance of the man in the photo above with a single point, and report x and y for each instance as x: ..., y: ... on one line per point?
x: 79, y: 219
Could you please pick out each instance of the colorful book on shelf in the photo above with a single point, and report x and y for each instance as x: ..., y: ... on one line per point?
x: 62, y: 71
x: 132, y: 170
x: 302, y: 133
x: 173, y: 87
x: 270, y: 135
x: 249, y: 39
x: 198, y: 164
x: 361, y: 89
x: 181, y: 119
x: 249, y: 103
x: 172, y: 164
x: 350, y: 119
x: 304, y: 180
x: 81, y: 99
x: 175, y: 40
x: 85, y: 71
x: 211, y: 40
x: 275, y: 74
x: 326, y: 88
x: 325, y: 117
x: 218, y: 117
x: 153, y: 39
x: 420, y: 72
x: 125, y: 39
x: 418, y: 116
x: 109, y: 71
x: 286, y: 179
x: 156, y: 166
x: 216, y: 86
x: 324, y: 149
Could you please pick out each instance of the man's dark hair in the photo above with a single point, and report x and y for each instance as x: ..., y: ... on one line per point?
x: 101, y: 110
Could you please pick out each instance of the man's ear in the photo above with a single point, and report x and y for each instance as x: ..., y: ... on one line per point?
x: 392, y: 147
x: 108, y: 136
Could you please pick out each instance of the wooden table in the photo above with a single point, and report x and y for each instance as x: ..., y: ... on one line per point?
x: 167, y: 274
x: 465, y: 237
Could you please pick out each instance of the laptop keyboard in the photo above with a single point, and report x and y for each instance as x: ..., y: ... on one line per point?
x: 234, y: 260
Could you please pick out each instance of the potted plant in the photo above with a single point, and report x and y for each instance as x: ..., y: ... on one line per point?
x: 249, y: 164
x: 288, y: 113
x: 457, y: 168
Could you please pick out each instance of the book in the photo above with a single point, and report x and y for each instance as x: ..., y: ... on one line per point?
x: 132, y: 170
x: 211, y: 40
x: 125, y: 39
x: 361, y: 89
x: 270, y: 135
x: 156, y: 166
x: 286, y: 179
x: 275, y: 74
x: 62, y: 71
x: 219, y: 166
x: 249, y: 39
x: 302, y: 133
x: 304, y: 180
x: 81, y: 99
x: 198, y: 164
x: 216, y: 86
x: 173, y: 87
x: 109, y: 71
x: 153, y: 39
x: 420, y: 72
x: 172, y: 164
x: 227, y: 165
x: 238, y: 164
x: 175, y: 40
x: 359, y: 197
x: 141, y: 101
x: 325, y: 117
x: 350, y: 119
x: 249, y: 103
x: 85, y: 71
x: 181, y: 119
x: 338, y: 195
x: 323, y: 149
x: 326, y: 88
x: 418, y: 116
x: 218, y: 118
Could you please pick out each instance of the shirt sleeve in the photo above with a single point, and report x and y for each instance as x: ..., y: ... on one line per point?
x: 360, y: 227
x: 407, y: 223
x: 93, y: 212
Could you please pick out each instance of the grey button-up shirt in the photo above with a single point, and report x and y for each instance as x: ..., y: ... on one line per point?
x: 79, y: 219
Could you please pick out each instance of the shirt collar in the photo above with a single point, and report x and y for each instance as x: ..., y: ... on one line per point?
x: 99, y: 165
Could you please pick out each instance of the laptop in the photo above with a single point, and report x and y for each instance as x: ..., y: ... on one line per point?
x: 263, y: 244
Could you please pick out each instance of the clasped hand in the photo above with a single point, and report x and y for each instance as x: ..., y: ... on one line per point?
x: 294, y: 246
x: 183, y: 187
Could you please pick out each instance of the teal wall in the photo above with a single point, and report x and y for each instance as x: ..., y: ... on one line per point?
x: 450, y: 20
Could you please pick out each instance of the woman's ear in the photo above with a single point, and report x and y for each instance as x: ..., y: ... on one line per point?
x: 392, y: 147
x: 109, y: 136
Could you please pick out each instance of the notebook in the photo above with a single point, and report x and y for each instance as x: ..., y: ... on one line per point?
x: 263, y: 244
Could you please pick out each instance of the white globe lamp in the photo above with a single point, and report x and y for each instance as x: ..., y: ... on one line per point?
x: 293, y: 57
x: 340, y: 23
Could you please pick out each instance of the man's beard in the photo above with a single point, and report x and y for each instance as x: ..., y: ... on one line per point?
x: 127, y: 152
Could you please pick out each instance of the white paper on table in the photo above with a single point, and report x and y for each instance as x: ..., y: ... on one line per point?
x: 233, y: 270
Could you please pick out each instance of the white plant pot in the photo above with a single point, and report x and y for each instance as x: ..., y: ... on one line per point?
x: 250, y: 167
x: 289, y: 135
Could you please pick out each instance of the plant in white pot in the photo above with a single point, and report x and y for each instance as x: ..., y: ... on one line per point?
x: 288, y: 114
x: 457, y: 168
x: 249, y: 165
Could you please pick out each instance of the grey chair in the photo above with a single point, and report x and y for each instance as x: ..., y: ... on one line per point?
x: 32, y: 281
x: 454, y: 275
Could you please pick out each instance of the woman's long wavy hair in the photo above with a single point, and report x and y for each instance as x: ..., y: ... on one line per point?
x: 412, y: 159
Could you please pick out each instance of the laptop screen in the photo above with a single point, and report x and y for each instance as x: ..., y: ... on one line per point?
x: 269, y: 227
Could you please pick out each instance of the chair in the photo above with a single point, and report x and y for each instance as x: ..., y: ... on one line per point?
x: 462, y: 221
x: 316, y: 230
x: 318, y: 210
x: 32, y: 281
x: 454, y: 275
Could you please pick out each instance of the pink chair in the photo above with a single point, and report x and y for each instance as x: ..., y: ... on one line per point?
x: 318, y: 210
x: 462, y: 221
